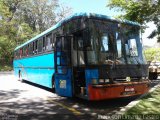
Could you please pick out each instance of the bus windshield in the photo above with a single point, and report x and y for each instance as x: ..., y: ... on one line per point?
x: 109, y: 44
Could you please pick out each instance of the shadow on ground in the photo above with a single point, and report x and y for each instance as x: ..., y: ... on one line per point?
x: 12, y: 103
x: 39, y: 109
x: 6, y: 95
x: 91, y: 107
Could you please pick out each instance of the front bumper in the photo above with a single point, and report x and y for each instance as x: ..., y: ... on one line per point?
x: 118, y: 90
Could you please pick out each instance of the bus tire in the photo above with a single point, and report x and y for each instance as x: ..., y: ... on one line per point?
x: 20, y: 76
x: 150, y: 76
x: 155, y: 76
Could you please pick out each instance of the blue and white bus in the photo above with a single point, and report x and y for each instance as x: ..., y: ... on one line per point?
x: 90, y: 56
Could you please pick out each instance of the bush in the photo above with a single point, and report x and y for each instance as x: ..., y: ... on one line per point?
x: 6, y: 68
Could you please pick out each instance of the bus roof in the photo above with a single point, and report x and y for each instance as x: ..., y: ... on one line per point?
x: 76, y: 15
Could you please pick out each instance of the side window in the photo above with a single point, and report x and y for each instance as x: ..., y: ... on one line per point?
x: 119, y: 48
x: 44, y: 45
x: 18, y: 55
x: 23, y: 51
x: 78, y: 42
x: 66, y: 45
x: 49, y: 42
x: 53, y: 41
x: 104, y: 43
x: 119, y: 45
x: 127, y: 49
x: 30, y: 49
x: 133, y: 47
x: 20, y: 52
x: 36, y: 47
x: 40, y: 45
x: 33, y: 48
x: 58, y: 44
x: 15, y: 54
x: 27, y: 50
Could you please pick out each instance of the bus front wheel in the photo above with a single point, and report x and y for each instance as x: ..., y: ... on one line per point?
x: 153, y: 76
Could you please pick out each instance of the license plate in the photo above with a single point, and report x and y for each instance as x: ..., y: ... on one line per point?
x: 129, y: 89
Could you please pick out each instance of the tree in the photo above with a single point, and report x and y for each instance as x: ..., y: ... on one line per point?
x: 141, y: 11
x: 10, y: 30
x: 38, y: 14
x: 20, y: 20
x: 152, y: 54
x: 62, y: 11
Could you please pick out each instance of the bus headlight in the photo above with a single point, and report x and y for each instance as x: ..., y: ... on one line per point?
x: 101, y: 80
x: 143, y: 78
x: 106, y: 80
x: 94, y: 81
x: 128, y: 79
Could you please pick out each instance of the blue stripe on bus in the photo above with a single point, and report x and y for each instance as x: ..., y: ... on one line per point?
x: 39, y: 76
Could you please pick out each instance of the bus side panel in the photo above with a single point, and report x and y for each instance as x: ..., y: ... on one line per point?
x: 15, y: 69
x: 37, y: 69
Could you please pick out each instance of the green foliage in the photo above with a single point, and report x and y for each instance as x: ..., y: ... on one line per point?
x: 6, y: 68
x: 12, y: 32
x: 141, y: 11
x: 39, y: 14
x: 20, y: 20
x: 149, y: 105
x: 152, y: 54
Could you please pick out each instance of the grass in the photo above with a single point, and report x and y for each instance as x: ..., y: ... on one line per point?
x: 147, y: 109
x: 6, y: 68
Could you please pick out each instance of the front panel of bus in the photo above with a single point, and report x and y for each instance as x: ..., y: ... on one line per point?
x: 107, y: 61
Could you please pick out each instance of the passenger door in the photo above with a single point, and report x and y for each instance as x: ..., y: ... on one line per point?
x: 63, y: 67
